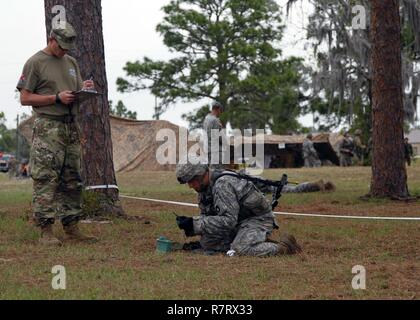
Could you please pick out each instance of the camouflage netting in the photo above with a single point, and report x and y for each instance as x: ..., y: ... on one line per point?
x: 135, y: 146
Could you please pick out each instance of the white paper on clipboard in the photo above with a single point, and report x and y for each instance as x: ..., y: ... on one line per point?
x: 83, y: 95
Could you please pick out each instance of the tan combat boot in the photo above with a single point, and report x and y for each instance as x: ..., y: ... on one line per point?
x: 289, y: 245
x: 73, y: 233
x: 47, y: 236
x: 320, y: 184
x: 329, y: 186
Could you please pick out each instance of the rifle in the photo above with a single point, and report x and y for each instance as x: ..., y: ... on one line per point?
x: 277, y: 192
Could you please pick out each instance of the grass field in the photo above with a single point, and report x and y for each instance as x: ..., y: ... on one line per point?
x: 124, y: 264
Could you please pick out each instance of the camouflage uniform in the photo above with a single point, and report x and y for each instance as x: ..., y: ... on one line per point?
x: 408, y: 152
x: 55, y: 152
x: 359, y: 147
x: 210, y: 123
x: 302, y: 188
x: 346, y: 148
x: 55, y: 170
x: 310, y: 156
x: 13, y: 168
x: 235, y: 215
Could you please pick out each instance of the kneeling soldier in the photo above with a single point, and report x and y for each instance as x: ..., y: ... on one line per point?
x: 235, y: 215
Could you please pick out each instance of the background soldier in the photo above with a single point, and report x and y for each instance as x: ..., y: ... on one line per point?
x: 235, y: 215
x: 49, y: 77
x: 310, y: 156
x: 13, y: 168
x: 320, y: 185
x: 212, y: 122
x: 24, y: 169
x: 304, y: 187
x: 346, y: 148
x: 359, y: 147
x: 408, y: 151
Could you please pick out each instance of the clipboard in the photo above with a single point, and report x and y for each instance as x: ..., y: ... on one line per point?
x: 84, y: 95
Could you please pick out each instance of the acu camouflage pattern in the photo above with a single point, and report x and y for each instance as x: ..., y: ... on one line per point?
x: 55, y: 163
x: 301, y: 188
x: 359, y: 148
x: 235, y: 215
x: 346, y: 148
x: 210, y: 123
x: 13, y: 168
x: 187, y: 171
x: 288, y: 188
x: 310, y: 156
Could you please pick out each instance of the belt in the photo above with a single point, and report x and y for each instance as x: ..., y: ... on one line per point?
x: 63, y: 119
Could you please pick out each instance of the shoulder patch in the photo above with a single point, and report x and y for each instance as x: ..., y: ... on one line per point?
x: 72, y: 72
x: 22, y: 80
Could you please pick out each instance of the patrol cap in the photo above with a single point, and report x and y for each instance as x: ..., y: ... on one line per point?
x: 66, y: 37
x: 217, y: 104
x: 188, y: 171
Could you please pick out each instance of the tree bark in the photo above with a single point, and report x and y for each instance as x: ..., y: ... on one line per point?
x: 389, y: 176
x: 97, y: 159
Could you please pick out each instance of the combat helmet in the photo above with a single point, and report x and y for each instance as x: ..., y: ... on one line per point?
x: 217, y: 104
x: 188, y: 171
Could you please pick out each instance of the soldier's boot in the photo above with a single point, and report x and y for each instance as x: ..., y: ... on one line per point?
x: 314, y: 186
x: 329, y: 186
x: 47, y: 236
x: 73, y: 233
x: 288, y: 245
x: 320, y: 184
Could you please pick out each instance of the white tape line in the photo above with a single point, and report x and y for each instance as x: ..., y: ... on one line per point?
x: 185, y: 204
x: 105, y: 186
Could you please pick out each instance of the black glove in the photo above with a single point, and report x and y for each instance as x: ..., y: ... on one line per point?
x: 186, y: 224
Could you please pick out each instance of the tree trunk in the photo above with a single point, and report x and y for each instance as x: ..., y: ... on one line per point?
x: 389, y: 176
x: 97, y: 159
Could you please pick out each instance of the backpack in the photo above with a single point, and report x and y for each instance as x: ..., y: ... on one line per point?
x: 276, y: 186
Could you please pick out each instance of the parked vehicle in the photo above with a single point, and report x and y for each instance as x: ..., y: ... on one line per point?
x: 4, y: 162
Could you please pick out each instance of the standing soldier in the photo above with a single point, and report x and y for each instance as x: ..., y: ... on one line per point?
x: 408, y: 151
x: 369, y: 147
x: 47, y: 84
x: 310, y: 156
x: 359, y: 147
x: 13, y: 168
x: 212, y: 124
x: 346, y: 151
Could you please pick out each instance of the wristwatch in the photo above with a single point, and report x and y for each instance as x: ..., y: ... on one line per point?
x: 57, y: 98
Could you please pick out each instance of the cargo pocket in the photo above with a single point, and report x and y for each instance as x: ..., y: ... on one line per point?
x: 257, y: 203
